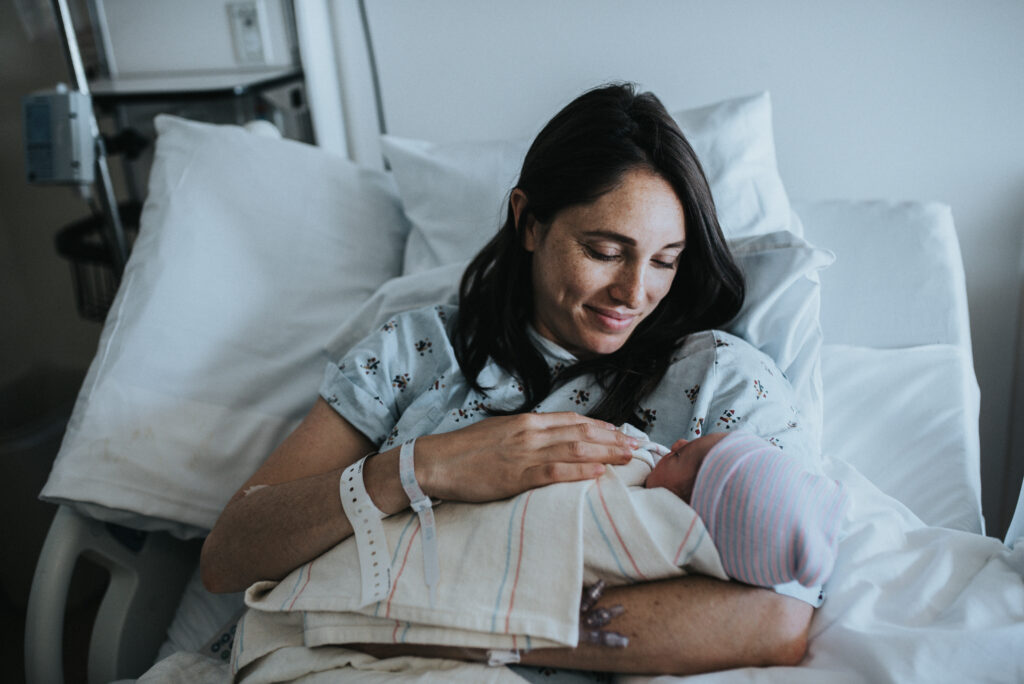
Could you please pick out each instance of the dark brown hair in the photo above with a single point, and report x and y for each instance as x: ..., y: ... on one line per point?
x: 578, y: 156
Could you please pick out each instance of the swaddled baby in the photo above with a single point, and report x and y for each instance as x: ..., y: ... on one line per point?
x: 771, y: 521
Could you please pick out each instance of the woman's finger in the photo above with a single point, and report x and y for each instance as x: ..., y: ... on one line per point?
x: 556, y: 471
x: 558, y: 418
x: 589, y: 432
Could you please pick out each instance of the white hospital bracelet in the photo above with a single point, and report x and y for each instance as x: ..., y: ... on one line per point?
x: 423, y: 507
x: 499, y: 658
x: 371, y: 544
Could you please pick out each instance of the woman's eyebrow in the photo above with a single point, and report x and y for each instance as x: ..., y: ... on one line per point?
x: 626, y: 240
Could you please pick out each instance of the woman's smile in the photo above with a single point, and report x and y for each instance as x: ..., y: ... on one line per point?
x: 614, y: 321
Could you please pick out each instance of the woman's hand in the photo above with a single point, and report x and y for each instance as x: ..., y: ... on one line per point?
x: 501, y: 456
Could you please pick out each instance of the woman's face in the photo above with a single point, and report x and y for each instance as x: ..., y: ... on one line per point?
x: 599, y: 269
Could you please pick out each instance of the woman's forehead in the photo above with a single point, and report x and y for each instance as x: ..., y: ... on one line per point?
x: 642, y: 208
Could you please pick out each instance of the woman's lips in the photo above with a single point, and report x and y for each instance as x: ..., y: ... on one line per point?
x: 611, y: 320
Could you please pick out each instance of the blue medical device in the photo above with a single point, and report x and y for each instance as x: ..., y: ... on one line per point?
x: 60, y: 148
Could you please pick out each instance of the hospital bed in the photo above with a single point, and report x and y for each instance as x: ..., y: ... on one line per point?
x: 260, y: 259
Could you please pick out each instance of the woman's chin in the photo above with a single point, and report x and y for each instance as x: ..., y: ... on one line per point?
x: 601, y: 345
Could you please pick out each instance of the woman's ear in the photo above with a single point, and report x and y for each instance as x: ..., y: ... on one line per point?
x: 518, y: 202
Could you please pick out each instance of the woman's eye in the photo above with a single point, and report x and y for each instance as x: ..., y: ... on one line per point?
x: 664, y: 264
x: 599, y: 255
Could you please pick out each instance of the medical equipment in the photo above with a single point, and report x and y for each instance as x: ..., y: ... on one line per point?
x: 59, y: 145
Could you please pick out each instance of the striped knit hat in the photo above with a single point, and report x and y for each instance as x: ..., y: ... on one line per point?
x: 771, y: 520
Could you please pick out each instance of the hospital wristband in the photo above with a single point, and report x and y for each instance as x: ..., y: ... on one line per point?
x: 371, y: 544
x: 423, y: 507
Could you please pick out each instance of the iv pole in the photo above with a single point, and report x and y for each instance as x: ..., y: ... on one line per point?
x: 113, y: 228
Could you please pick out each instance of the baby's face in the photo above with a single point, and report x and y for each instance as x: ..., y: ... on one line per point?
x: 677, y: 471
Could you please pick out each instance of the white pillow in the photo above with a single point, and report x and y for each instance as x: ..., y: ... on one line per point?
x: 250, y: 252
x: 780, y: 315
x: 455, y: 194
x: 907, y: 419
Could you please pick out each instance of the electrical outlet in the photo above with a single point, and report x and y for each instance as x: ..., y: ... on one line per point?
x: 246, y: 32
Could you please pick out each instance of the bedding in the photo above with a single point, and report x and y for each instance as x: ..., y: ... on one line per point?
x: 909, y: 248
x: 213, y: 348
x: 898, y: 449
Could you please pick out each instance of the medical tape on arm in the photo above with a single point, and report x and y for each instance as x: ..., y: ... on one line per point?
x: 423, y: 507
x: 371, y: 544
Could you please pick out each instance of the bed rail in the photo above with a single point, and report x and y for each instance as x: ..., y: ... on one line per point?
x: 147, y: 574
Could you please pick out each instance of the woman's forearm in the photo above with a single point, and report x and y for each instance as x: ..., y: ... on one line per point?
x: 266, y: 531
x: 681, y: 626
x: 693, y: 624
x: 269, y: 530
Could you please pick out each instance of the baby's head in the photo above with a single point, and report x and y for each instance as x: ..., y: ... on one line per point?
x: 677, y: 471
x: 757, y: 504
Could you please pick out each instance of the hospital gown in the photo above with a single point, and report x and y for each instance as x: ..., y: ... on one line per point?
x: 404, y: 381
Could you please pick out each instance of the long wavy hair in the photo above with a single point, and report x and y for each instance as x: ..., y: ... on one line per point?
x: 578, y: 156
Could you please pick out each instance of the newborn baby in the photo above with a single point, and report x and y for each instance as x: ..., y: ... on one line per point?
x: 771, y: 521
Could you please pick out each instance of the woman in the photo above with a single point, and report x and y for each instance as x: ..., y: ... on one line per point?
x: 609, y: 260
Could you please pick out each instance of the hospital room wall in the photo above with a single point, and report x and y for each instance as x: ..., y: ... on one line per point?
x: 39, y: 326
x: 913, y: 100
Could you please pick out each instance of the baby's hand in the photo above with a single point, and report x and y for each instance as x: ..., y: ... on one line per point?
x: 677, y: 471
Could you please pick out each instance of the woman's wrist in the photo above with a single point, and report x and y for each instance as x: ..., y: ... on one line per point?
x: 381, y: 475
x: 428, y: 458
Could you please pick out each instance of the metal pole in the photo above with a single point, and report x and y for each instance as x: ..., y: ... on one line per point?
x: 113, y: 229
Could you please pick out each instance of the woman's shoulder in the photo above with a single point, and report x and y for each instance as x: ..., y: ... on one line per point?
x: 714, y: 343
x: 720, y: 353
x: 436, y: 320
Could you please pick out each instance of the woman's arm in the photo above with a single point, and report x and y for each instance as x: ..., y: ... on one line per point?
x: 681, y: 626
x: 693, y: 624
x: 289, y: 511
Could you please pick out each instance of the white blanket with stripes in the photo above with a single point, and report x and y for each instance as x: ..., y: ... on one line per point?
x: 511, y: 571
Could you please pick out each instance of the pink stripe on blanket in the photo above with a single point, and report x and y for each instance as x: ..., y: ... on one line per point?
x: 309, y: 573
x: 398, y: 575
x: 519, y: 562
x: 675, y: 561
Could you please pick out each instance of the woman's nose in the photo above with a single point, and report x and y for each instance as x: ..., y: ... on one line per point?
x: 629, y: 286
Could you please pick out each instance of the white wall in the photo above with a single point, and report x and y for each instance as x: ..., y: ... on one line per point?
x: 916, y: 99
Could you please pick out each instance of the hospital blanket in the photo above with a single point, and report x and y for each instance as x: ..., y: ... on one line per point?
x: 511, y: 571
